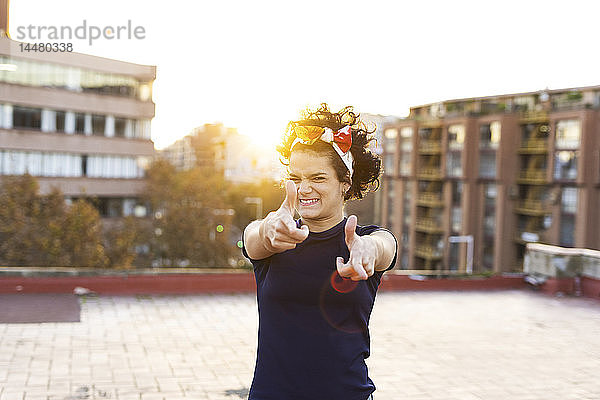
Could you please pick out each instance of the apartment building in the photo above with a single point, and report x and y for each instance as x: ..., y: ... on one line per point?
x: 469, y: 182
x: 77, y: 122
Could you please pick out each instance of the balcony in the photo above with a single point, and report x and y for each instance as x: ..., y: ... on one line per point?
x: 430, y: 147
x: 429, y: 225
x: 533, y: 177
x: 428, y: 252
x: 534, y: 116
x: 430, y: 200
x: 534, y: 146
x: 531, y: 207
x: 429, y: 174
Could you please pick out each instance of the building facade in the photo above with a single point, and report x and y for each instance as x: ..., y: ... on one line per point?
x: 77, y: 122
x: 499, y: 171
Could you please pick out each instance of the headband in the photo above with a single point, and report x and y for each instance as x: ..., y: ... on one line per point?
x: 340, y: 140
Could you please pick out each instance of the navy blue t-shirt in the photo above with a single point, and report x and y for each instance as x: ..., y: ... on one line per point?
x: 313, y: 334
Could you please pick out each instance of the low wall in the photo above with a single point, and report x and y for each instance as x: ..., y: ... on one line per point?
x: 130, y: 283
x: 566, y: 270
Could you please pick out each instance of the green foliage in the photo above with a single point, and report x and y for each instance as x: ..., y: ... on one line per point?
x: 197, y: 220
x: 185, y: 220
x: 41, y: 230
x: 271, y: 193
x: 82, y: 236
x: 120, y: 239
x: 188, y: 208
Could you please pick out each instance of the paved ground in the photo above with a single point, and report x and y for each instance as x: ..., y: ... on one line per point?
x: 429, y: 345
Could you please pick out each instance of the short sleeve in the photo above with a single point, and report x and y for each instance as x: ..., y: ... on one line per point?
x: 255, y: 263
x: 368, y: 229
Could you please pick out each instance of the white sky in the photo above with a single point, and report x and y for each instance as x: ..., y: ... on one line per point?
x: 255, y: 64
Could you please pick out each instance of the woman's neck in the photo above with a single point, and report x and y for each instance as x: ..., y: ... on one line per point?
x: 322, y: 224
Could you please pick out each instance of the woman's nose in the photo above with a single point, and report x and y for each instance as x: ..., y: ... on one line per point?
x: 304, y: 187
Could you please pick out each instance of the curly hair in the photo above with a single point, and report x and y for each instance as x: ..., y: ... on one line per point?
x: 366, y: 165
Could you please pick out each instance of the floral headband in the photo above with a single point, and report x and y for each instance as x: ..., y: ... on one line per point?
x: 340, y: 140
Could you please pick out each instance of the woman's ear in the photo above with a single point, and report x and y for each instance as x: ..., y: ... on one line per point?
x: 345, y: 188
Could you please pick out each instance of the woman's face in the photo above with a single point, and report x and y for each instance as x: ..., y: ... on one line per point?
x: 320, y: 193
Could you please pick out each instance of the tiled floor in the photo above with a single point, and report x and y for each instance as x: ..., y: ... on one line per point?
x: 427, y: 345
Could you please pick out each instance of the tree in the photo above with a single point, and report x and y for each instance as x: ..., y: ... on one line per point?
x: 82, y: 236
x: 120, y: 240
x: 42, y: 230
x: 190, y: 225
x: 268, y: 190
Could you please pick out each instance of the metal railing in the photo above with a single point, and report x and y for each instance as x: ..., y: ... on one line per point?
x: 428, y: 252
x: 534, y: 144
x: 434, y: 173
x: 430, y: 199
x: 533, y: 176
x: 430, y: 146
x: 429, y: 225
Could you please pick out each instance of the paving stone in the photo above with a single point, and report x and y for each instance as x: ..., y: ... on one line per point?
x: 515, y: 345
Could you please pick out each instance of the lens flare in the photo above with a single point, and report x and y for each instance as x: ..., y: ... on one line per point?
x: 342, y: 285
x: 338, y: 303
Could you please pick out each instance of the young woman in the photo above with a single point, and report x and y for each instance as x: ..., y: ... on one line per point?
x: 317, y: 276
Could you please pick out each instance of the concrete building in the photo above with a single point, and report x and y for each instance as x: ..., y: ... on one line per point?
x: 368, y: 209
x: 501, y: 171
x: 77, y: 122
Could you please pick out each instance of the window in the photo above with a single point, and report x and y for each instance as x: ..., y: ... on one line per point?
x: 406, y: 205
x: 79, y: 123
x: 60, y: 121
x: 488, y: 255
x: 427, y: 134
x: 391, y: 203
x: 487, y: 164
x: 404, y: 259
x: 489, y: 215
x: 120, y: 126
x: 27, y: 117
x: 569, y: 200
x: 457, y: 189
x: 115, y: 207
x: 489, y: 135
x: 565, y: 165
x: 98, y: 124
x: 71, y: 165
x: 14, y: 162
x: 407, y: 133
x: 456, y: 137
x: 41, y: 74
x: 388, y: 164
x: 568, y: 134
x: 456, y: 219
x: 141, y: 129
x: 567, y: 230
x: 453, y: 256
x: 524, y: 103
x: 453, y: 164
x: 405, y: 163
x: 84, y: 165
x: 568, y: 208
x: 406, y: 150
x: 391, y: 133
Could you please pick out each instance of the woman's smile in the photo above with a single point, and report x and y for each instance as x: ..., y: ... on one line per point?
x: 309, y: 202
